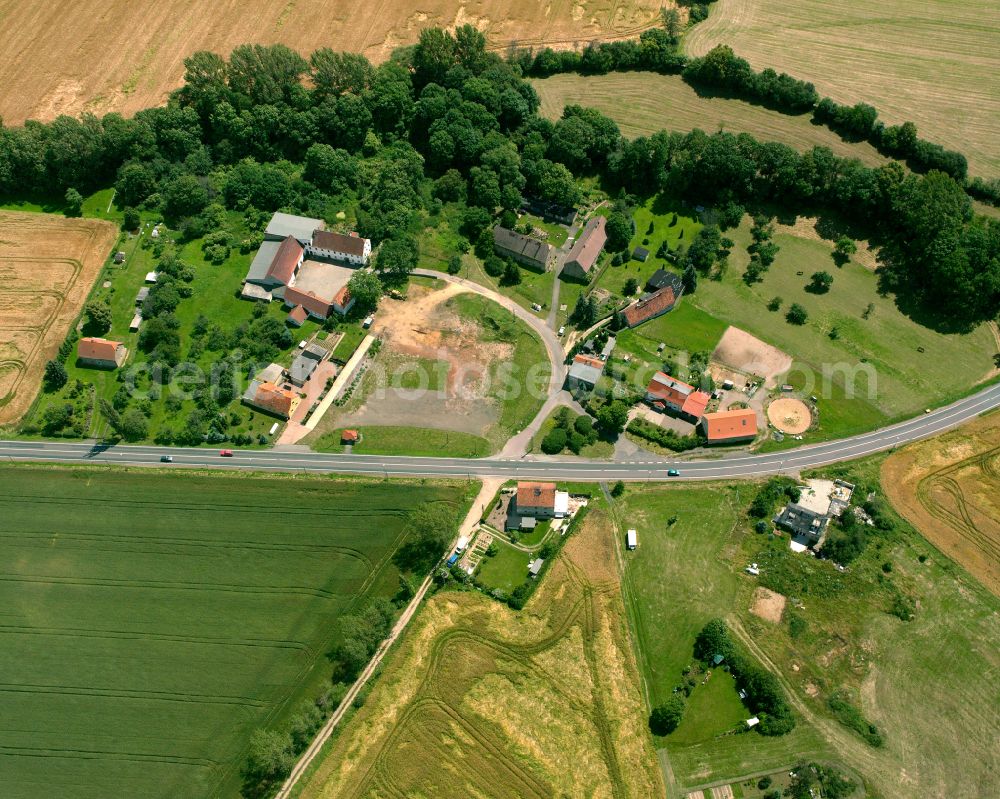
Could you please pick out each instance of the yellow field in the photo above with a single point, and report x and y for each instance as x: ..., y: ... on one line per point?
x: 112, y: 55
x: 643, y: 103
x: 484, y: 702
x: 47, y: 266
x: 948, y: 487
x: 936, y: 63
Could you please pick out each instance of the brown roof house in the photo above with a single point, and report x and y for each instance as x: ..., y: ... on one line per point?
x: 527, y: 251
x: 650, y: 306
x: 272, y: 399
x: 536, y: 501
x: 584, y: 373
x: 730, y: 427
x: 340, y: 247
x: 586, y: 249
x: 101, y: 353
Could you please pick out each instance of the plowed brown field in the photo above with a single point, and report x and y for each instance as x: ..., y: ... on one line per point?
x: 948, y: 487
x: 47, y: 266
x: 113, y: 55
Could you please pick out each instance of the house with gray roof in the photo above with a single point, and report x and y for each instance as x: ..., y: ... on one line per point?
x: 305, y: 364
x: 527, y: 251
x: 301, y: 228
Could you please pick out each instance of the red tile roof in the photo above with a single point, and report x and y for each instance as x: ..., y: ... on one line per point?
x: 309, y: 301
x: 589, y: 245
x: 665, y: 387
x: 342, y: 297
x: 350, y: 436
x: 338, y: 242
x: 695, y: 404
x: 298, y: 315
x: 646, y: 308
x: 97, y: 349
x: 276, y: 400
x: 536, y: 495
x: 285, y: 260
x: 589, y: 360
x: 725, y: 425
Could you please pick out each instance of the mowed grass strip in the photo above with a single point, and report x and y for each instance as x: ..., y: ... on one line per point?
x: 154, y: 620
x: 643, y: 103
x: 416, y: 441
x: 935, y: 63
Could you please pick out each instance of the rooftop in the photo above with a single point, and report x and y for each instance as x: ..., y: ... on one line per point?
x: 536, y: 495
x: 300, y: 227
x: 524, y: 246
x: 589, y: 244
x: 647, y: 307
x: 97, y: 349
x: 724, y: 425
x: 338, y: 242
x: 286, y: 258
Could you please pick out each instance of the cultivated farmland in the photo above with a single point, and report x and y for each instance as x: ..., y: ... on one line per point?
x: 102, y: 56
x: 153, y: 621
x: 47, y: 267
x: 934, y: 63
x: 948, y: 487
x: 643, y: 103
x: 481, y: 701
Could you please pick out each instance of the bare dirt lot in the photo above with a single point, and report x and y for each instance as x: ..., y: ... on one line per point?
x: 768, y: 605
x: 751, y: 356
x: 112, y: 55
x: 948, y: 487
x: 47, y: 267
x: 789, y: 415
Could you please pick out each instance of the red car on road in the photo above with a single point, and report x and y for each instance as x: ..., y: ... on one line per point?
x: 226, y: 453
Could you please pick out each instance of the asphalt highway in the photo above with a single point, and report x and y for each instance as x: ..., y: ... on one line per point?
x: 732, y: 466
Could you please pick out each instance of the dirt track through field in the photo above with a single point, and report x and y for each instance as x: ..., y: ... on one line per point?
x: 47, y: 267
x: 112, y: 55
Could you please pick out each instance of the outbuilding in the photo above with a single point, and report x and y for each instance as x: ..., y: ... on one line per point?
x: 535, y: 567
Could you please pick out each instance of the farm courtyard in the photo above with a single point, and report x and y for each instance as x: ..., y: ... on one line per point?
x: 153, y: 621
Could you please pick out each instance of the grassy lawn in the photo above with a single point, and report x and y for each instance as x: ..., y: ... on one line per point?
x: 643, y: 103
x: 354, y: 334
x: 535, y: 537
x: 915, y: 366
x: 417, y: 441
x: 506, y: 570
x: 557, y: 233
x: 712, y: 709
x: 155, y: 620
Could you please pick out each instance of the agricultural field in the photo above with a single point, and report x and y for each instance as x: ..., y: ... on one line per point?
x: 835, y: 633
x: 124, y: 57
x: 153, y: 621
x: 439, y: 385
x: 947, y: 487
x: 483, y: 701
x: 47, y: 267
x: 935, y: 63
x: 643, y: 103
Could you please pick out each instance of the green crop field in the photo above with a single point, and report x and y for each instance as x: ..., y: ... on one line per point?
x: 644, y: 102
x: 906, y: 677
x: 153, y: 621
x: 935, y: 63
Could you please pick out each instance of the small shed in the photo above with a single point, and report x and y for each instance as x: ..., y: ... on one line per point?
x: 453, y: 559
x: 535, y: 567
x: 717, y: 659
x: 274, y: 429
x: 528, y: 523
x: 133, y: 326
x: 140, y: 298
x: 151, y: 277
x: 631, y: 539
x: 640, y: 254
x: 350, y: 437
x: 119, y: 257
x: 752, y: 722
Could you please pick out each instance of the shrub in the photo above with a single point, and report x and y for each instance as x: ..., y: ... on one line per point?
x: 797, y: 315
x: 55, y: 376
x: 554, y: 442
x: 666, y: 716
x: 851, y: 717
x: 618, y: 489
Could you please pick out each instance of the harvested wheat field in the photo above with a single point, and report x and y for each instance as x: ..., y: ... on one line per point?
x: 948, y: 487
x: 112, y: 55
x: 487, y: 702
x: 935, y: 63
x: 47, y: 266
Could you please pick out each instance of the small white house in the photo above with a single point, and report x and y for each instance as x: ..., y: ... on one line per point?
x: 631, y: 539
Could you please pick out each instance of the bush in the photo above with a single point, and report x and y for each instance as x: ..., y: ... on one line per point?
x: 668, y: 439
x: 554, y: 442
x: 797, y: 315
x: 618, y: 489
x: 666, y: 716
x: 55, y: 376
x: 852, y: 718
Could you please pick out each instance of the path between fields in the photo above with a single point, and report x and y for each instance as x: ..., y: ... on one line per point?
x: 487, y: 491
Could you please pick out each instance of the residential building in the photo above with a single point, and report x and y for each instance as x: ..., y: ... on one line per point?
x: 272, y: 399
x: 650, y: 306
x: 276, y: 263
x: 549, y: 211
x: 584, y: 373
x: 527, y: 251
x: 101, y: 353
x: 819, y: 501
x: 730, y: 427
x: 540, y: 500
x: 351, y: 248
x: 305, y: 363
x: 666, y: 393
x: 586, y: 250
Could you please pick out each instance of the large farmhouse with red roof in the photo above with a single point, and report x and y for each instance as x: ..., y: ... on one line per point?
x: 667, y: 393
x: 306, y: 266
x: 650, y: 306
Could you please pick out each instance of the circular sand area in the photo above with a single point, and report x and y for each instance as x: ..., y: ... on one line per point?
x: 789, y: 415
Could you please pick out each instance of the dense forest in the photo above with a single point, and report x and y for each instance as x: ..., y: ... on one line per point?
x: 446, y: 121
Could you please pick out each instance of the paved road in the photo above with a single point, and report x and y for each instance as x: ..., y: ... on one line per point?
x: 726, y: 467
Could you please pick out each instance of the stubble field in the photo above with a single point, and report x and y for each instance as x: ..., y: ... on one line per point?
x: 481, y: 701
x: 948, y: 488
x: 153, y: 621
x: 122, y: 56
x: 47, y: 267
x: 935, y: 63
